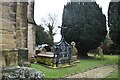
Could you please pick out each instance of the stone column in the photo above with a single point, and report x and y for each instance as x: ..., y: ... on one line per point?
x: 31, y: 30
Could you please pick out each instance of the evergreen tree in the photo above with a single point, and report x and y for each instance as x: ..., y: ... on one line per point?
x: 42, y: 37
x: 114, y: 22
x: 86, y: 25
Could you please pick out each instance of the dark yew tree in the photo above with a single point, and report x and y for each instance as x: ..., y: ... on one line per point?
x: 42, y: 37
x: 85, y: 24
x: 114, y: 22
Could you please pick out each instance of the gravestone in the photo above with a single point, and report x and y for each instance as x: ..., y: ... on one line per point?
x: 100, y: 52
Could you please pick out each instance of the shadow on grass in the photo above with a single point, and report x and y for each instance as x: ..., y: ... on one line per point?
x: 90, y: 58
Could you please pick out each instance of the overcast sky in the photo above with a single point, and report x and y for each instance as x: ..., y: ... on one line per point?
x: 44, y: 7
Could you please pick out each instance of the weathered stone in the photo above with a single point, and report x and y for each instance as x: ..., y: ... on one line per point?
x: 7, y: 28
x: 101, y: 52
x: 21, y: 25
x: 17, y: 27
x: 31, y: 41
x: 9, y: 58
x: 22, y: 56
x: 0, y: 41
x: 31, y: 30
x: 74, y: 52
x: 8, y: 41
x: 30, y: 13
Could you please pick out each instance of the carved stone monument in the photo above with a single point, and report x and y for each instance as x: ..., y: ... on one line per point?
x: 62, y: 52
x: 74, y: 52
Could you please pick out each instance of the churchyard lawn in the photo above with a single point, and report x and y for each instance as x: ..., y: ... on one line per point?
x: 114, y: 75
x: 84, y: 65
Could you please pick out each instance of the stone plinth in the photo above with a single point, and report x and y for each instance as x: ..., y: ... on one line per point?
x: 9, y: 58
x: 22, y: 56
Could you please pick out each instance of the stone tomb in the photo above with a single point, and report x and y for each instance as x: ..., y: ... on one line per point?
x: 45, y: 58
x: 61, y: 55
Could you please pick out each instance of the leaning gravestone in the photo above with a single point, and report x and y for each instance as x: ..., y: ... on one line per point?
x: 101, y: 52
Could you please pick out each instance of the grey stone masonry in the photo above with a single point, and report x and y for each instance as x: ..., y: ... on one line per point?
x: 21, y: 25
x: 7, y: 27
x: 31, y: 28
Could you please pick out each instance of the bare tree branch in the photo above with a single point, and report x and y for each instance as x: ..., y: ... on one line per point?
x: 50, y: 22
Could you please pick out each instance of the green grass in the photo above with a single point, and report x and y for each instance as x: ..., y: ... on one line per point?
x: 113, y: 75
x: 84, y: 65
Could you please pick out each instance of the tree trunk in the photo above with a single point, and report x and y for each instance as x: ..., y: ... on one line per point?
x: 82, y: 54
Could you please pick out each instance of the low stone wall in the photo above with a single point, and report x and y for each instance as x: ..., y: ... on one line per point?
x: 9, y: 58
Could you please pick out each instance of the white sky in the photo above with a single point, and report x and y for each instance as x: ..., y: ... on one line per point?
x: 44, y: 7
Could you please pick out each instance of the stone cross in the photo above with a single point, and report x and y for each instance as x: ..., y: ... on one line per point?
x: 61, y: 29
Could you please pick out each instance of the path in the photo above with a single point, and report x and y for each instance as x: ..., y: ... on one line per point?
x: 100, y: 72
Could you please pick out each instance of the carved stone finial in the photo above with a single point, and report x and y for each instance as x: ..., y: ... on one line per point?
x: 73, y: 43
